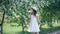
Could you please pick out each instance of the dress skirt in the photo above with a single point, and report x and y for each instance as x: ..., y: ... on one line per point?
x: 33, y: 27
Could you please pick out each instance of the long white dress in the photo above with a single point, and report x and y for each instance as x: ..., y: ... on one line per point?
x: 33, y: 27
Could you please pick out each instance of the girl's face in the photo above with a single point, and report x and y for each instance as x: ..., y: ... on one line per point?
x: 32, y: 11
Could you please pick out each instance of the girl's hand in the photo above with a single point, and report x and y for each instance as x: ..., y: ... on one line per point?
x: 25, y: 26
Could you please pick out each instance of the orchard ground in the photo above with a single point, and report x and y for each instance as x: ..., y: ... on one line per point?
x: 13, y: 28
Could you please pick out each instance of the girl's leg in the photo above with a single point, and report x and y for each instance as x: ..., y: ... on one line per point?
x: 37, y: 33
x: 33, y: 33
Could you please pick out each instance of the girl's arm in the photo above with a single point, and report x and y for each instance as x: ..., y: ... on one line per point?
x: 38, y: 19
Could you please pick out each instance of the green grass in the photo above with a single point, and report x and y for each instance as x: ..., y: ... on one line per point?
x: 13, y: 28
x: 9, y: 29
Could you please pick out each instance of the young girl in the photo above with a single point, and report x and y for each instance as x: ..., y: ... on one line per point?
x: 33, y: 27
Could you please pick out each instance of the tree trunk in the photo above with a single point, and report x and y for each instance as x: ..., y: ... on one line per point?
x: 22, y: 28
x: 2, y: 22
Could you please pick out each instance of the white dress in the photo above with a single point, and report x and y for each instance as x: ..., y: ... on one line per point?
x: 33, y: 27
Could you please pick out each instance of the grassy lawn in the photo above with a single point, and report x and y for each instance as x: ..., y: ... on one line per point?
x: 12, y: 28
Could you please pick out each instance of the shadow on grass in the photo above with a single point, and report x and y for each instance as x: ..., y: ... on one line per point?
x: 49, y: 30
x: 25, y: 32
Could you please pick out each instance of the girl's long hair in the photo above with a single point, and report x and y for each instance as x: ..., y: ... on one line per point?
x: 35, y: 12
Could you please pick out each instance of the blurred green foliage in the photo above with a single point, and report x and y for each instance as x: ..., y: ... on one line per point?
x: 17, y: 11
